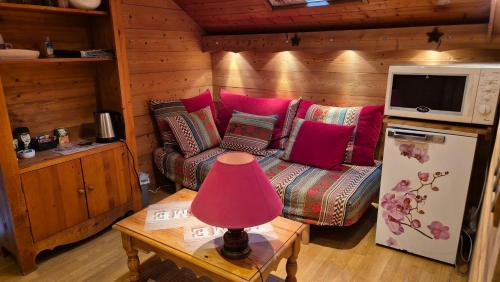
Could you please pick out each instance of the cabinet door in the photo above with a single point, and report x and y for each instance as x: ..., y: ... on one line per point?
x: 55, y: 198
x: 107, y: 180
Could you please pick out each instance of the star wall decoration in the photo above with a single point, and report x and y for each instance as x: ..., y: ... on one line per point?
x: 434, y: 36
x: 296, y: 40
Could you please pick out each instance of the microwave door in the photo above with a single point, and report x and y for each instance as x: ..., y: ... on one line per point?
x: 425, y: 93
x: 432, y: 94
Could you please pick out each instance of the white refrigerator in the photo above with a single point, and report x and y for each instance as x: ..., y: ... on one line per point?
x: 425, y: 178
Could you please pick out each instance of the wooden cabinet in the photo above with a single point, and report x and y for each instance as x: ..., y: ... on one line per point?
x: 55, y: 198
x: 52, y: 199
x: 107, y: 181
x: 69, y: 193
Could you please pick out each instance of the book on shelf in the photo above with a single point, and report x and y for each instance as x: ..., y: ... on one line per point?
x: 91, y: 53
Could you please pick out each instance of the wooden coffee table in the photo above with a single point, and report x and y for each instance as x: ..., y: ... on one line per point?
x: 169, y: 244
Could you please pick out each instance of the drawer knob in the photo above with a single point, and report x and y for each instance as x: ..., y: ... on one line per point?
x: 90, y: 188
x: 81, y: 191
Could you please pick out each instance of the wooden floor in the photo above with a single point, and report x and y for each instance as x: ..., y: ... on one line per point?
x: 334, y: 254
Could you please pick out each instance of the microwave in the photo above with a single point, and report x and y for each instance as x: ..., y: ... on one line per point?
x: 465, y: 93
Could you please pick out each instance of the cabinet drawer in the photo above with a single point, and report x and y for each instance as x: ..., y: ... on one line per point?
x: 107, y: 180
x: 55, y: 198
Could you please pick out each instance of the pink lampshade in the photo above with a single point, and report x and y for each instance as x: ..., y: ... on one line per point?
x: 236, y: 194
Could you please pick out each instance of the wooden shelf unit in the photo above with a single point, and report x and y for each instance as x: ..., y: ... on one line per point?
x: 48, y: 9
x: 52, y: 200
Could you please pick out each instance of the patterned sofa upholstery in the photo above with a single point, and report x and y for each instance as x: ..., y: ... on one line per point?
x: 310, y: 195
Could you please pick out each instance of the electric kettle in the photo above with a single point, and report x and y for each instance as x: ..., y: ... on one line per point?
x: 109, y: 126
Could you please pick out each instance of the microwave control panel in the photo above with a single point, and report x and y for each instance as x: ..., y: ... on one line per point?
x: 487, y: 97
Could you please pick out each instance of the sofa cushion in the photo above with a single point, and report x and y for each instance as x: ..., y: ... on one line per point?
x: 162, y: 109
x: 195, y: 132
x: 291, y: 113
x: 367, y: 121
x: 284, y: 109
x: 248, y: 133
x: 317, y: 144
x: 199, y: 102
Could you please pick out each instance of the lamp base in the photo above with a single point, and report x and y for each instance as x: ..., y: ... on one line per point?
x: 235, y: 244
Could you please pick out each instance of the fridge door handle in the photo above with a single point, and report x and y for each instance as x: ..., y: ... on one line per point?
x: 422, y: 137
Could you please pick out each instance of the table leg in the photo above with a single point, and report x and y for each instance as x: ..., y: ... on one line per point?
x: 291, y: 262
x: 133, y: 259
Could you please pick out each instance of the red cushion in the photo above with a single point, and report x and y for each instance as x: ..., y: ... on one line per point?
x: 317, y: 144
x: 199, y: 102
x: 368, y: 122
x: 230, y: 102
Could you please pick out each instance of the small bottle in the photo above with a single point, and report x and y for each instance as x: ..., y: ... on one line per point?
x: 48, y: 48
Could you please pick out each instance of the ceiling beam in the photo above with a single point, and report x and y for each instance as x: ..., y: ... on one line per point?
x: 387, y: 39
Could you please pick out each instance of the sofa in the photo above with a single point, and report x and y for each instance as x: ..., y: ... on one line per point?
x: 312, y: 195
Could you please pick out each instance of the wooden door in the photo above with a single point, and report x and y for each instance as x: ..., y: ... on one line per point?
x: 107, y: 180
x: 55, y: 198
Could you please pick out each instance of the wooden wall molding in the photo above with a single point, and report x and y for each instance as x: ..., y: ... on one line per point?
x: 385, y: 39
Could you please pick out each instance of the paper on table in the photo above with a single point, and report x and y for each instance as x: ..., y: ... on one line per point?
x: 166, y: 216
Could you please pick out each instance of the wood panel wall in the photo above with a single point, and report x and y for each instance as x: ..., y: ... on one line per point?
x: 165, y: 62
x: 343, y: 77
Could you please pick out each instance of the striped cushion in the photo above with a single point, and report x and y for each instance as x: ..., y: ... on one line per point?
x: 249, y: 133
x: 162, y: 109
x: 195, y: 132
x: 287, y: 125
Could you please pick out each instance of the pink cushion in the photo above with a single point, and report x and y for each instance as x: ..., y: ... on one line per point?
x: 230, y: 102
x: 367, y: 121
x: 317, y: 144
x: 199, y: 102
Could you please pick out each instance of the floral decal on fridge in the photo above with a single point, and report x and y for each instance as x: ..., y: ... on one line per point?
x: 404, y: 206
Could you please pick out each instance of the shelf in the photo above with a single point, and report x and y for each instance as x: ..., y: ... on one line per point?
x: 47, y: 158
x: 55, y: 60
x: 47, y: 9
x: 443, y: 126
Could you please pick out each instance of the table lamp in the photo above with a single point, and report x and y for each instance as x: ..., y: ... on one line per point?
x: 236, y: 194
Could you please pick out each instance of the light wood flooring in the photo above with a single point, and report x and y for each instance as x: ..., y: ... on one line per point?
x: 334, y: 254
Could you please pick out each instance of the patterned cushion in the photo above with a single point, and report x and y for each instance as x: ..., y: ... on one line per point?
x: 368, y: 121
x: 162, y: 109
x: 287, y: 125
x: 249, y: 133
x: 195, y: 132
x: 283, y: 109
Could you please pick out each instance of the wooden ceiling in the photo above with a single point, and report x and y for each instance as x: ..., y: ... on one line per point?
x: 257, y: 16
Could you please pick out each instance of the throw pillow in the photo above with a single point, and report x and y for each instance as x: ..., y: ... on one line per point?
x: 199, y: 102
x: 161, y: 109
x: 284, y: 109
x: 195, y: 132
x: 249, y: 133
x: 367, y: 121
x: 317, y: 144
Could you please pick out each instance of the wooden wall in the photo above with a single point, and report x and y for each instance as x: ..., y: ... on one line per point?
x: 165, y: 62
x: 328, y: 77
